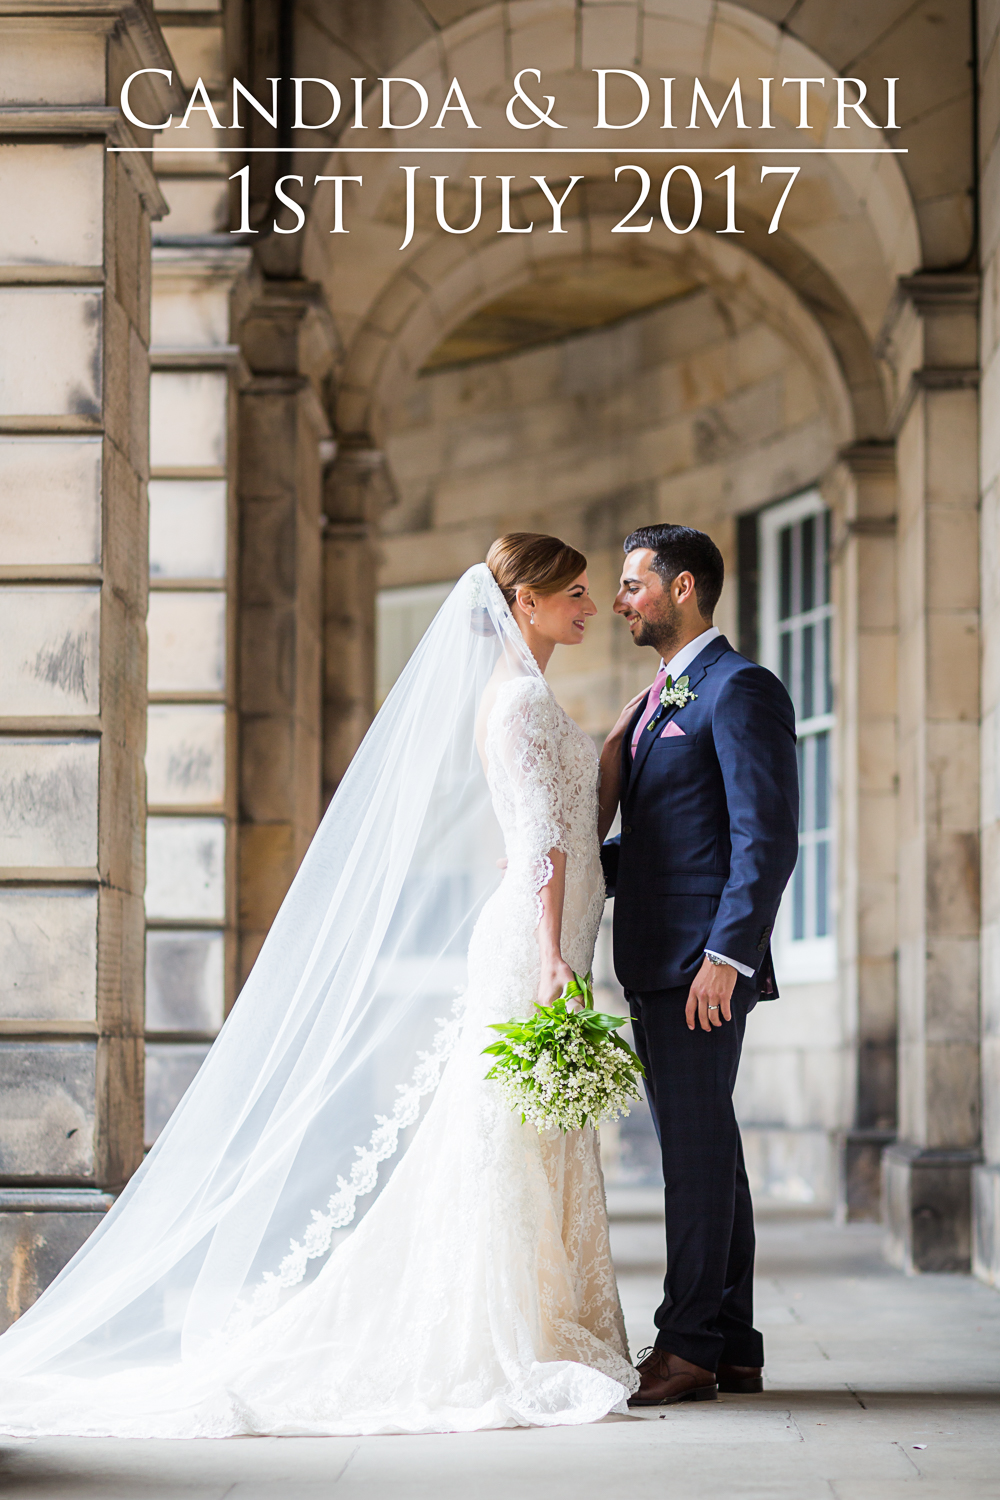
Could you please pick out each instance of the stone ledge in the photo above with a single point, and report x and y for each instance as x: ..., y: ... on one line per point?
x: 41, y: 1229
x: 861, y: 1154
x: 927, y: 1207
x: 986, y: 1223
x: 54, y: 1200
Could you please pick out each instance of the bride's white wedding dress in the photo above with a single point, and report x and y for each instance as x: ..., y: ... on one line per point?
x: 478, y: 1291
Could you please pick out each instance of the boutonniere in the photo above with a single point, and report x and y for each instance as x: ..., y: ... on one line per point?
x: 676, y: 694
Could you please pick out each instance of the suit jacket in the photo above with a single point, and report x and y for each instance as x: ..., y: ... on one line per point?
x: 709, y: 828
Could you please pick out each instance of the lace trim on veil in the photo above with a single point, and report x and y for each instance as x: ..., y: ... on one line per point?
x: 342, y: 1206
x: 483, y: 596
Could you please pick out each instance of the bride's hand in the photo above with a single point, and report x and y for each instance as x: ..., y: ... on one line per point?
x: 622, y: 721
x: 555, y: 976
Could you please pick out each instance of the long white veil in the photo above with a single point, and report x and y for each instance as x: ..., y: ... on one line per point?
x: 341, y: 1030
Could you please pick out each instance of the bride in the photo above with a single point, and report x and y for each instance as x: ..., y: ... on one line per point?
x: 225, y: 1293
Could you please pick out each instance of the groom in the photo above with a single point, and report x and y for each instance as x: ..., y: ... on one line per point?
x: 708, y: 792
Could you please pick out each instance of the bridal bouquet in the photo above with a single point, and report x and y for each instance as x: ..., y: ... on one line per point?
x: 563, y: 1069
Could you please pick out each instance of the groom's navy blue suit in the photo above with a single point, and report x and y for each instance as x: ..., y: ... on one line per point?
x: 709, y: 839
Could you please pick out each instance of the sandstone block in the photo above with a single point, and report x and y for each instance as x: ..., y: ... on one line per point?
x: 57, y: 333
x: 48, y: 802
x: 47, y: 1109
x: 186, y: 868
x: 48, y: 953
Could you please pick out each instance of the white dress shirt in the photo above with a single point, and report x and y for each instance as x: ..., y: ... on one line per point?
x: 682, y: 659
x: 676, y: 667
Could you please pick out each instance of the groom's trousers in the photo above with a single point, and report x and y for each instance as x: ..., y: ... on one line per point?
x: 706, y: 1315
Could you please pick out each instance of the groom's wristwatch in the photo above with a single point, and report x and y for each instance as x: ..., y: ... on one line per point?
x: 720, y: 963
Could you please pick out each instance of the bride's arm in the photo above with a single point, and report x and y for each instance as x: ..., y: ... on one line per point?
x: 555, y: 972
x: 611, y: 768
x: 526, y: 739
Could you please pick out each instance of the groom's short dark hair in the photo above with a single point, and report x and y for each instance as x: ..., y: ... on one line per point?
x: 681, y: 549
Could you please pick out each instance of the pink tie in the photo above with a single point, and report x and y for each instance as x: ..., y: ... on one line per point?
x: 652, y: 703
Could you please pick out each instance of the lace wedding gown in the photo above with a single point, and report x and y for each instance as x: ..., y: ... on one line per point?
x: 478, y: 1291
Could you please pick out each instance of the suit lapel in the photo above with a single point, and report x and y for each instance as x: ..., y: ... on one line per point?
x: 655, y: 726
x: 627, y: 750
x: 706, y: 658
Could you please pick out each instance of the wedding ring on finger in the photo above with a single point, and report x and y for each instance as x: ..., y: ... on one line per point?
x: 713, y: 1007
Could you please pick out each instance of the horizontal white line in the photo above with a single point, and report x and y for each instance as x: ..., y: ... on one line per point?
x: 527, y: 150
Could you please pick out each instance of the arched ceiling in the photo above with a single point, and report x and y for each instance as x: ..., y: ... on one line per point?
x: 562, y: 300
x: 928, y: 44
x: 407, y: 327
x: 848, y: 232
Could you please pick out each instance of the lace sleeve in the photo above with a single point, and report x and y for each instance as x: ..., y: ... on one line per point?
x: 526, y: 774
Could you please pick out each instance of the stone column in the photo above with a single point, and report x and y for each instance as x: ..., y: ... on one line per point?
x: 932, y: 347
x: 284, y: 441
x: 866, y: 564
x: 356, y: 492
x: 986, y: 1180
x: 74, y: 395
x: 191, y: 939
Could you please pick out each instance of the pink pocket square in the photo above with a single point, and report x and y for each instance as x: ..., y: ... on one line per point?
x: 672, y: 730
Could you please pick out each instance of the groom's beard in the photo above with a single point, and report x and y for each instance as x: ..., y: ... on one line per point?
x: 663, y: 633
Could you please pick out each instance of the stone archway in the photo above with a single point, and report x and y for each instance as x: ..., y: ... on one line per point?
x: 848, y: 233
x: 722, y: 395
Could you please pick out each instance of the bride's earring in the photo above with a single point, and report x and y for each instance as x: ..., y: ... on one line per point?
x: 532, y: 620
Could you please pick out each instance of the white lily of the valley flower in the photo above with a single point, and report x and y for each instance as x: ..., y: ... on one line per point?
x: 676, y: 694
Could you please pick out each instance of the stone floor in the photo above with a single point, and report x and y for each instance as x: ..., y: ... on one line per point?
x: 879, y: 1387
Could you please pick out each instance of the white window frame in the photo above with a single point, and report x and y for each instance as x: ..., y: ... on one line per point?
x: 813, y: 959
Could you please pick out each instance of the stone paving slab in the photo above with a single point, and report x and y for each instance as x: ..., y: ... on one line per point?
x: 878, y: 1387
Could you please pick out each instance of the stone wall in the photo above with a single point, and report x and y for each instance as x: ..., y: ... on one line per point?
x: 986, y: 1179
x: 74, y: 418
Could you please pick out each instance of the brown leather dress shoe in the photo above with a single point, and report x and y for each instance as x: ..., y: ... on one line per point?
x: 740, y: 1380
x: 666, y: 1379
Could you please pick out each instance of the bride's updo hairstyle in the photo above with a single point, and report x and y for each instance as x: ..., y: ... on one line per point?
x: 527, y: 559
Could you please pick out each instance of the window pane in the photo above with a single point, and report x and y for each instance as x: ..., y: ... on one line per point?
x: 187, y: 528
x: 808, y: 697
x: 185, y: 754
x: 185, y: 974
x: 808, y: 599
x: 796, y: 616
x: 185, y: 868
x: 822, y: 891
x: 170, y: 1067
x: 785, y: 573
x: 187, y: 643
x: 799, y: 897
x: 786, y: 665
x: 822, y: 780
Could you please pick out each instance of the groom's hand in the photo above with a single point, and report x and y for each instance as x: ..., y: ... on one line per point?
x: 709, y: 996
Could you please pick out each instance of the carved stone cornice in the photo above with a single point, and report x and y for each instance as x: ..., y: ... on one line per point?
x: 97, y: 121
x: 287, y: 330
x: 872, y: 456
x: 358, y: 486
x: 940, y: 291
